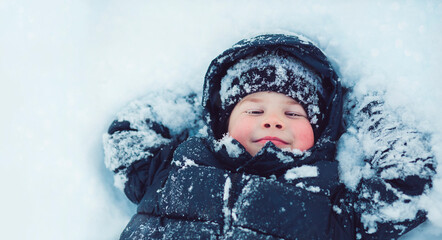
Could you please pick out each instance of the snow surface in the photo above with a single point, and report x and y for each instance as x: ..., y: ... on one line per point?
x: 67, y: 68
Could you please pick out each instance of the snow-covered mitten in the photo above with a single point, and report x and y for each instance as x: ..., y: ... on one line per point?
x: 393, y: 163
x: 140, y: 142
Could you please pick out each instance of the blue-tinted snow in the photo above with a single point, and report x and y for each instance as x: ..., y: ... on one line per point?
x: 67, y: 67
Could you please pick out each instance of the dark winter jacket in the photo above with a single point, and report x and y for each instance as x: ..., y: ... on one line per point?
x: 209, y: 187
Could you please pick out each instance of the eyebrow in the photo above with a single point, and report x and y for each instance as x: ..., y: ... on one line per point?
x: 293, y: 102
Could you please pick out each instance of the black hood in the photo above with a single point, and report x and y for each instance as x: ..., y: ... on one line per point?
x: 295, y: 46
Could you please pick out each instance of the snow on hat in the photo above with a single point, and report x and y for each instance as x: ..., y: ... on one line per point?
x: 277, y: 73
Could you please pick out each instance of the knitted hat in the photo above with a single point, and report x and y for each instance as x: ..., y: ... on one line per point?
x: 274, y: 72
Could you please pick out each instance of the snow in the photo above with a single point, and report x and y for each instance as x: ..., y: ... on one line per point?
x: 232, y: 147
x: 301, y: 172
x: 186, y: 162
x: 67, y: 68
x: 314, y: 189
x: 227, y: 212
x: 131, y: 143
x: 337, y: 209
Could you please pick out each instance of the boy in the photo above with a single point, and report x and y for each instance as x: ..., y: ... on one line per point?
x: 264, y: 166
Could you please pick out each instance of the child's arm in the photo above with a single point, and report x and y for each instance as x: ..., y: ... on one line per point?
x: 399, y: 168
x: 140, y: 143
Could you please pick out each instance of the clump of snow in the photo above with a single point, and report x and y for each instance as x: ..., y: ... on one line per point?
x: 337, y: 209
x: 189, y: 162
x: 226, y: 210
x: 185, y: 163
x: 120, y: 180
x: 227, y: 187
x: 123, y: 148
x: 232, y: 148
x: 403, y: 209
x: 351, y: 160
x: 203, y: 132
x: 314, y: 189
x: 176, y: 110
x: 285, y: 155
x: 304, y: 171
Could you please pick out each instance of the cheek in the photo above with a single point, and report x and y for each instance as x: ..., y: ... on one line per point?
x: 242, y: 130
x: 303, y: 135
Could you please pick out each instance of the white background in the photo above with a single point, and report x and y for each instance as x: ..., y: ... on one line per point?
x: 66, y: 67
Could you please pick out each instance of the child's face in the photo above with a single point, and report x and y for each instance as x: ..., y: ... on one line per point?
x: 270, y: 116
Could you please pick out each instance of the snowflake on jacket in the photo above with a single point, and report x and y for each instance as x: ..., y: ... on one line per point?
x: 209, y: 186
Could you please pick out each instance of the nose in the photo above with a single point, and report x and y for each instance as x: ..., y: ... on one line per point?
x: 273, y: 122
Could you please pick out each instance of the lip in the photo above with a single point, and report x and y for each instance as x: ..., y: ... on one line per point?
x: 274, y: 140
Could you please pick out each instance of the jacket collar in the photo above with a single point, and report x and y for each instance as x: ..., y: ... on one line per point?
x: 270, y: 160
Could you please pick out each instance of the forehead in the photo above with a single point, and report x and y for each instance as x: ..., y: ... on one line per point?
x: 260, y: 97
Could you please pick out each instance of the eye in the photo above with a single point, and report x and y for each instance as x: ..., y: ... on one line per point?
x: 295, y: 115
x: 254, y: 112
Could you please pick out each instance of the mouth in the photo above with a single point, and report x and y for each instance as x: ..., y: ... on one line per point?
x: 274, y: 140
